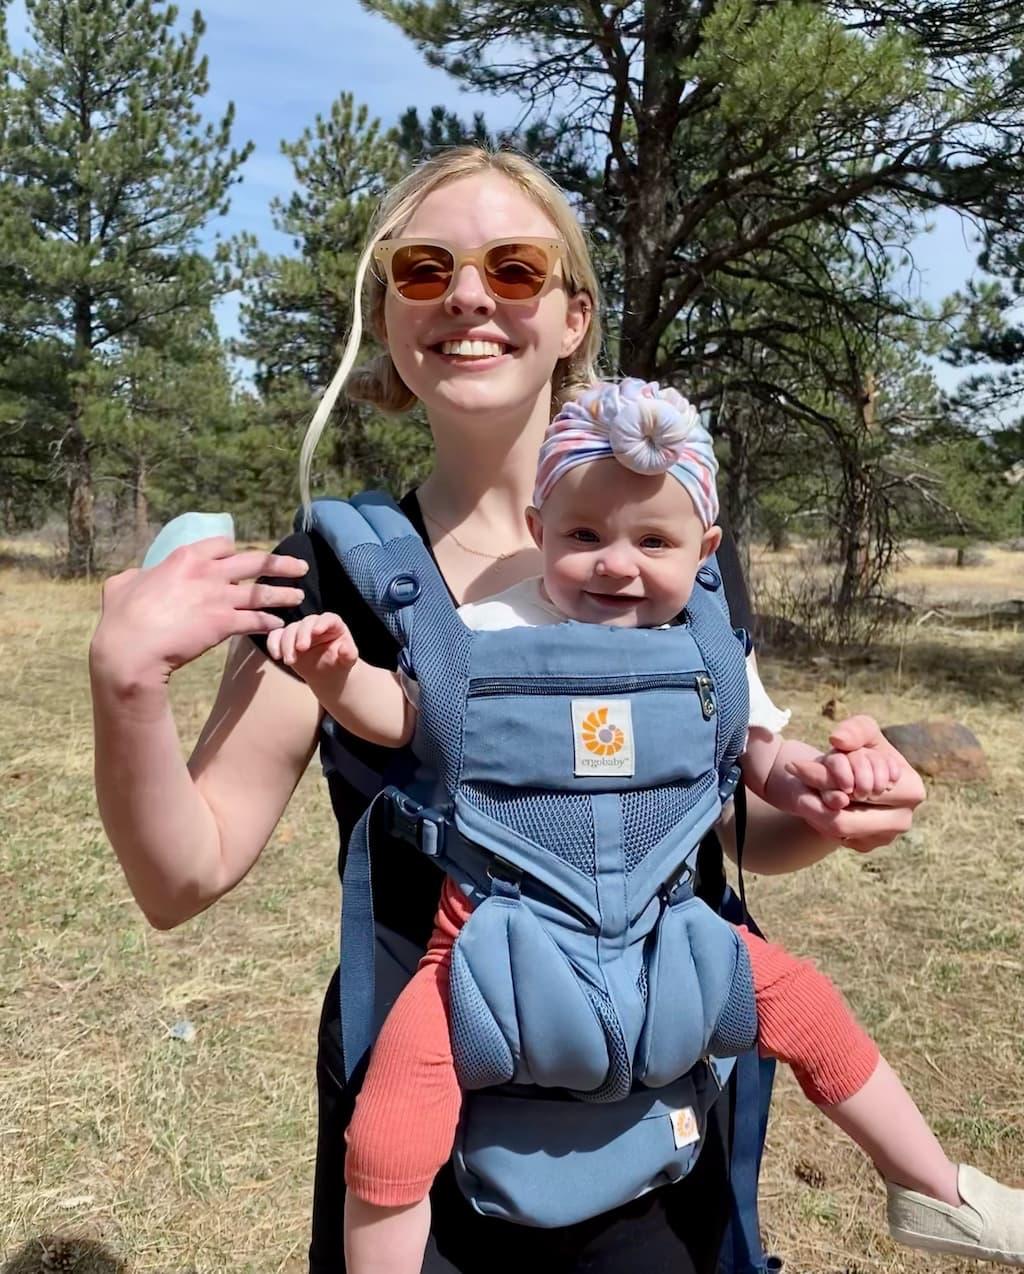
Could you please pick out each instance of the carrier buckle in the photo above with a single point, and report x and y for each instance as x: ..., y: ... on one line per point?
x: 727, y: 787
x: 417, y: 824
x: 505, y: 877
x: 685, y: 876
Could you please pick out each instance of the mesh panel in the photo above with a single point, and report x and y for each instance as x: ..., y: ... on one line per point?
x: 649, y: 814
x: 619, y: 1079
x: 559, y: 822
x: 724, y: 655
x: 479, y: 1049
x: 736, y: 1029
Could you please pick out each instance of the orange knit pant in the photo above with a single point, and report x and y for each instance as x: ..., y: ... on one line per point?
x: 405, y: 1117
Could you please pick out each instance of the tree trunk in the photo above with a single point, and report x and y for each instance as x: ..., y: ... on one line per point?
x: 853, y: 536
x: 81, y: 501
x: 141, y: 506
x: 736, y: 495
x: 648, y: 188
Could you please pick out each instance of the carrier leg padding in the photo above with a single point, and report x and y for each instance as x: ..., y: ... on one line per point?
x: 803, y: 1020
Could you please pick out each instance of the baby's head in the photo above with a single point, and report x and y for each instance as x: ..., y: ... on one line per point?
x: 625, y: 504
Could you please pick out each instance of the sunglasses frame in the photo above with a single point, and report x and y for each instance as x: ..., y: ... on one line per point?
x: 384, y: 252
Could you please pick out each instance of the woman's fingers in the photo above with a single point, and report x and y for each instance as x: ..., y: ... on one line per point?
x: 251, y: 622
x: 254, y: 563
x: 264, y: 596
x: 860, y: 731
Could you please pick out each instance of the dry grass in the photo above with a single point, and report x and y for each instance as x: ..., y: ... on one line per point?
x: 198, y: 1156
x: 924, y: 574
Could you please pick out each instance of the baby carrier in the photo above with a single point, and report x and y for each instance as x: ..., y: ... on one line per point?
x: 566, y: 776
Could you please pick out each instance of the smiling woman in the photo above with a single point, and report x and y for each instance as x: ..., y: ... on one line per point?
x: 490, y: 370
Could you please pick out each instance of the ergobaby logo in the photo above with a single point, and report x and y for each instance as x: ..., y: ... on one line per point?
x: 603, y: 737
x: 685, y: 1129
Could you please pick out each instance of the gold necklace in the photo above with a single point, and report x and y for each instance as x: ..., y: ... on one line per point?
x: 491, y: 557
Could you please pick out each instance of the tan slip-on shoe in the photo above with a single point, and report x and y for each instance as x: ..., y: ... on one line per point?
x: 988, y: 1225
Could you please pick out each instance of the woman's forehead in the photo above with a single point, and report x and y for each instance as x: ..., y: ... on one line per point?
x: 475, y: 209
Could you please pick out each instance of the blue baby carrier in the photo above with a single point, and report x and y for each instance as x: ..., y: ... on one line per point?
x: 565, y: 778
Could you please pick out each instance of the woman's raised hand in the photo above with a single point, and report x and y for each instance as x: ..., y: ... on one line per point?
x: 157, y: 620
x: 871, y: 819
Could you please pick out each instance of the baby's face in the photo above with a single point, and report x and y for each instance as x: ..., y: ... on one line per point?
x: 620, y: 547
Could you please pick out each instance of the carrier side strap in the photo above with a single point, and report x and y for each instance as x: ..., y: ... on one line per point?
x: 355, y: 981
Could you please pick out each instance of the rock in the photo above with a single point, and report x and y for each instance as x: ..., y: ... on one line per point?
x: 833, y: 708
x: 184, y: 1031
x: 940, y: 749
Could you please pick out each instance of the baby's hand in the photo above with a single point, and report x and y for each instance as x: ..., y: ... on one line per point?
x: 315, y: 644
x: 841, y: 778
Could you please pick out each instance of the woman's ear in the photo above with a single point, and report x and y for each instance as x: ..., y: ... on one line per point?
x: 577, y: 322
x: 710, y: 542
x: 536, y: 525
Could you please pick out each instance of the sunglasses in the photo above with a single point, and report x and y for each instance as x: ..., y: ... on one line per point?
x: 514, y: 271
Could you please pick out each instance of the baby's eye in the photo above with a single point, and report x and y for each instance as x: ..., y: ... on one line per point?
x: 583, y: 536
x: 654, y: 542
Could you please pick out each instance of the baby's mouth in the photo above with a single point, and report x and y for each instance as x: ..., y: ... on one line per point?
x: 613, y: 600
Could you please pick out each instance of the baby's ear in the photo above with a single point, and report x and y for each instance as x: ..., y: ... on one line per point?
x: 710, y: 543
x: 536, y: 525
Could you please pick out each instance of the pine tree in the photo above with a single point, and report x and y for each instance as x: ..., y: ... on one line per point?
x: 298, y: 307
x: 109, y: 174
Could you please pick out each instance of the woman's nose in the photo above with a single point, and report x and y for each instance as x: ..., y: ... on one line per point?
x: 469, y: 296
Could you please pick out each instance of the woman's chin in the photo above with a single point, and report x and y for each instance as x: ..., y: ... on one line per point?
x: 498, y: 390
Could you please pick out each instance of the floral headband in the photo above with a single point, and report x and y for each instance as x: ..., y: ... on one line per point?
x: 648, y: 429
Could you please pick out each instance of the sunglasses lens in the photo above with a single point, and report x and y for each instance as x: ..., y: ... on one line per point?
x: 422, y: 271
x: 516, y: 271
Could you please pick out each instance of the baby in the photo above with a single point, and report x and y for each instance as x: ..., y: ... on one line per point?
x: 624, y: 517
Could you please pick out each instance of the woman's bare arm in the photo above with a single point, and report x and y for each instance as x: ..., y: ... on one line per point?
x: 185, y: 837
x: 186, y: 834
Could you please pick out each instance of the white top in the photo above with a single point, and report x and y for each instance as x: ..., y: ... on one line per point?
x: 524, y: 605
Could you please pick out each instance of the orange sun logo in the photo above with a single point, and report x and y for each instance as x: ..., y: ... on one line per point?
x: 599, y: 736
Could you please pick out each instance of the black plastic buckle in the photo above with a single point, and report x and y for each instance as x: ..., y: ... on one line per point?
x: 499, y: 869
x: 668, y: 887
x: 727, y: 787
x: 419, y: 825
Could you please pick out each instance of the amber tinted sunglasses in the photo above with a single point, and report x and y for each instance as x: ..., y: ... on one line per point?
x: 514, y: 271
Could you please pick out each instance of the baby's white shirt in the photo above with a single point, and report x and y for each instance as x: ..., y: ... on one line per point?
x: 524, y: 605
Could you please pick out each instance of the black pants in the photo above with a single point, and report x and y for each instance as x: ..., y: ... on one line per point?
x: 675, y: 1230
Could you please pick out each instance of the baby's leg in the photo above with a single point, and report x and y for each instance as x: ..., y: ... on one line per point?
x: 405, y: 1117
x: 803, y: 1020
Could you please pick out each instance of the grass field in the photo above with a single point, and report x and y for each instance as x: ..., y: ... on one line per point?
x: 197, y: 1155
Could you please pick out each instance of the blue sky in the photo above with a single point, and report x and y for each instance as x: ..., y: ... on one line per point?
x: 282, y: 62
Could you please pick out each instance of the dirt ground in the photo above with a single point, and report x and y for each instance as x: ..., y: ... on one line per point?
x: 196, y: 1154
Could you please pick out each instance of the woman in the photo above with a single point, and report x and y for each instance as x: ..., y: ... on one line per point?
x: 488, y: 341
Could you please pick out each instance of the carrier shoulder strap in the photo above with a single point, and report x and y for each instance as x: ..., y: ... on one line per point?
x: 385, y: 558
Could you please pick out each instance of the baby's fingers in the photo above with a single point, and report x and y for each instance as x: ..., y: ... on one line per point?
x: 842, y: 775
x: 834, y: 800
x: 882, y: 774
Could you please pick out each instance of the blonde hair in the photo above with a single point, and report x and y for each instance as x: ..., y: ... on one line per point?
x: 378, y: 382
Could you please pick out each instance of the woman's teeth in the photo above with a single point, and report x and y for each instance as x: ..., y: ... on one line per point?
x: 473, y: 349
